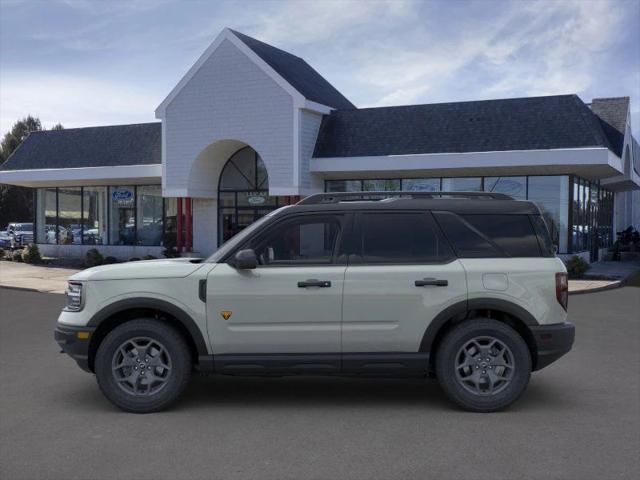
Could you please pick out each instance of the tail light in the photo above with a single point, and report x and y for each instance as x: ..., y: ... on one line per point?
x: 562, y: 289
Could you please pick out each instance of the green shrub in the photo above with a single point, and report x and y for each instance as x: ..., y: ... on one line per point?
x: 31, y: 254
x: 134, y: 259
x: 109, y: 260
x: 1, y: 253
x: 16, y: 256
x: 576, y: 266
x: 170, y: 252
x: 93, y: 258
x: 149, y: 257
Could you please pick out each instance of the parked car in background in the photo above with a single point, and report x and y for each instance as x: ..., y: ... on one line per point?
x: 17, y: 235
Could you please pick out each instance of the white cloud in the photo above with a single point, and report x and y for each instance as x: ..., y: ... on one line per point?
x: 73, y: 101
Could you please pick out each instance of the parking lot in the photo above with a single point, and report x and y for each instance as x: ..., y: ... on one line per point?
x: 580, y: 418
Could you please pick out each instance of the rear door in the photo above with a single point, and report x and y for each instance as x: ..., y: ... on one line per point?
x: 402, y: 274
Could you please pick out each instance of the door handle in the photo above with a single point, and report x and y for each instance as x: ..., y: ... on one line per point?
x: 314, y: 283
x: 425, y: 282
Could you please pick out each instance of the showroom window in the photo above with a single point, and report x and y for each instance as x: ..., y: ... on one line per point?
x: 115, y: 215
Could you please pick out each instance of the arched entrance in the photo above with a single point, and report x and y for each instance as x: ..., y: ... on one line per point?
x: 243, y: 193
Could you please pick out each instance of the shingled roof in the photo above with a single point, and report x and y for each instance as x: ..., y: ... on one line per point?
x: 613, y: 115
x: 108, y: 146
x: 534, y: 123
x: 298, y: 73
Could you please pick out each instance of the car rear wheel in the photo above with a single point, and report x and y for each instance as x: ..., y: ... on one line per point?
x: 143, y: 365
x: 483, y: 365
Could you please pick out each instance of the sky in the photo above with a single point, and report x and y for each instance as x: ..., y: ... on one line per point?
x: 86, y: 63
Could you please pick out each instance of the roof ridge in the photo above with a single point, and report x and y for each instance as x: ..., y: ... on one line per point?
x: 467, y: 101
x: 592, y: 122
x: 98, y: 126
x: 235, y: 32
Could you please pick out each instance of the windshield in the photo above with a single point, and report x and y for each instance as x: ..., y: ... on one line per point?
x: 233, y: 242
x: 23, y: 227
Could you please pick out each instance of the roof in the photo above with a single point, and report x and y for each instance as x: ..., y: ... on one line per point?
x: 612, y: 112
x: 109, y: 146
x: 533, y: 123
x: 298, y: 73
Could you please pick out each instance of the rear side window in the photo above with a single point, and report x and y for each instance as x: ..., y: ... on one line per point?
x: 512, y: 233
x: 467, y: 241
x: 401, y: 238
x: 544, y: 239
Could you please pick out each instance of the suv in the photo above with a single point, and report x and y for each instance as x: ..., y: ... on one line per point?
x: 461, y: 286
x: 18, y: 235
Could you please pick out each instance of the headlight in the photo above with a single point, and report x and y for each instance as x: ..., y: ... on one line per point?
x: 74, y: 297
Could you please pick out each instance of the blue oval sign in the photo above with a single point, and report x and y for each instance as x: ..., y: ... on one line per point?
x: 122, y: 194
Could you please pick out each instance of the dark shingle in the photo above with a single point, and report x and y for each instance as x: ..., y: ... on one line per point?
x: 298, y: 73
x: 533, y: 123
x: 612, y: 113
x: 109, y: 146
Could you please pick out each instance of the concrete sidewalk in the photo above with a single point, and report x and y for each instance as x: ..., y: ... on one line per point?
x: 41, y: 278
x: 44, y: 278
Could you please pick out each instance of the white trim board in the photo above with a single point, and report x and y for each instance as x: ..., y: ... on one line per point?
x: 84, y: 176
x: 574, y: 157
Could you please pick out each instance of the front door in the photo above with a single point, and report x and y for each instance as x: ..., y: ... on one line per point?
x: 403, y: 275
x: 290, y: 304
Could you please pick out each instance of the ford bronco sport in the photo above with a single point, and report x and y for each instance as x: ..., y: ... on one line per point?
x: 461, y: 286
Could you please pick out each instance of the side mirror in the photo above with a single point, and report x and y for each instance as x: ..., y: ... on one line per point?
x: 245, y: 260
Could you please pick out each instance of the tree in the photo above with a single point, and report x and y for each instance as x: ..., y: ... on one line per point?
x: 16, y: 203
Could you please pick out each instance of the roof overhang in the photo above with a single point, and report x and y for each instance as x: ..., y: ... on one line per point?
x: 86, y: 176
x: 591, y: 163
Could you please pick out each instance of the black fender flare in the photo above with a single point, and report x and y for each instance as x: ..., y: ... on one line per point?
x: 461, y: 309
x: 155, y: 304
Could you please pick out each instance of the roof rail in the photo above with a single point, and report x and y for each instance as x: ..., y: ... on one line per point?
x: 337, y: 197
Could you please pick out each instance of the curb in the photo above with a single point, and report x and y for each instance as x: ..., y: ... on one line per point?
x: 29, y: 289
x: 612, y: 286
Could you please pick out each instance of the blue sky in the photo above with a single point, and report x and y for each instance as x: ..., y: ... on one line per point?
x: 84, y: 63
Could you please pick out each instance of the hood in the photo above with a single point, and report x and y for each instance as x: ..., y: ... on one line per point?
x: 165, y: 268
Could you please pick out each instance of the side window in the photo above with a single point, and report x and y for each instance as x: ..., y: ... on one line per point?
x: 513, y: 233
x: 544, y: 239
x: 466, y: 240
x: 401, y: 238
x: 303, y: 240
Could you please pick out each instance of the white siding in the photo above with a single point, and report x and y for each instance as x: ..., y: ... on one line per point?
x: 205, y: 226
x: 229, y: 97
x: 309, y: 127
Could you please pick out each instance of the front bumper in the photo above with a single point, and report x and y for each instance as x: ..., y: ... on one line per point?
x: 74, y: 341
x: 552, y: 342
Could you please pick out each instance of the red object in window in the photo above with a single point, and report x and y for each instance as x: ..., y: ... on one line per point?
x: 179, y: 224
x: 562, y: 289
x: 187, y: 215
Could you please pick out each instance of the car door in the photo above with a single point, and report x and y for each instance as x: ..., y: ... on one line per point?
x: 291, y: 303
x: 401, y: 275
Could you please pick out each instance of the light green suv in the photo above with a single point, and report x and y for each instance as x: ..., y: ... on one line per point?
x: 461, y: 286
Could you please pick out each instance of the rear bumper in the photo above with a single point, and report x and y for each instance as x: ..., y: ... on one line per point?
x: 74, y: 345
x: 552, y: 342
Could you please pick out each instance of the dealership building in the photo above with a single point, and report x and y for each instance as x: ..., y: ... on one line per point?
x: 250, y: 128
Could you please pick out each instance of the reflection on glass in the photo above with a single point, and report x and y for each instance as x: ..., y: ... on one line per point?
x: 94, y: 223
x: 149, y: 215
x: 551, y: 194
x: 515, y: 187
x: 380, y: 185
x: 69, y: 216
x: 462, y: 184
x: 344, y: 185
x: 421, y: 184
x: 122, y: 221
x: 46, y: 215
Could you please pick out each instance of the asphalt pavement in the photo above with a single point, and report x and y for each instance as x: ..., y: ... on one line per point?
x: 579, y: 418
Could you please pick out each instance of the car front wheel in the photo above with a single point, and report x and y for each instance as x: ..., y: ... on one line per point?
x: 483, y: 365
x: 143, y: 365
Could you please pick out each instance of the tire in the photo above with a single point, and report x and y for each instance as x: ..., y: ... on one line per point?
x: 143, y: 365
x: 474, y: 383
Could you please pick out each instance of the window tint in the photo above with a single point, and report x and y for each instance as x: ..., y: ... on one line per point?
x: 467, y: 242
x: 513, y: 233
x: 401, y: 238
x: 303, y: 240
x: 546, y: 245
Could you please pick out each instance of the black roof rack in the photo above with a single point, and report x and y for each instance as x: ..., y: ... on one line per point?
x: 336, y: 197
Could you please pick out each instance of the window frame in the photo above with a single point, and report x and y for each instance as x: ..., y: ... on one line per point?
x: 338, y: 258
x: 355, y: 255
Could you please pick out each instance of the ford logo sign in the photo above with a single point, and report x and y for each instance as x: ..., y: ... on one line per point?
x: 256, y: 200
x: 122, y: 194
